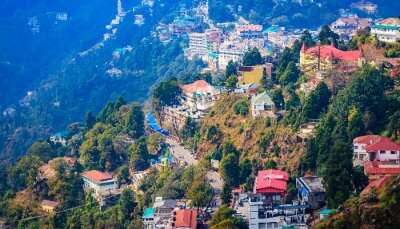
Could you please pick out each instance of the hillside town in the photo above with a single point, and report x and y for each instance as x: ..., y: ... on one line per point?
x: 253, y: 141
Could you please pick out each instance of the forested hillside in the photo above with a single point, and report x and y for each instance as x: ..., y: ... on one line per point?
x: 76, y: 75
x: 291, y: 13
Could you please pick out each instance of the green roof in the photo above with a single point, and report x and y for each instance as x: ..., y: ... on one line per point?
x: 388, y: 27
x: 148, y: 213
x: 327, y: 211
x: 263, y: 98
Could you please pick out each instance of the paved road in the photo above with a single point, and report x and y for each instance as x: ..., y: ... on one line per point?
x: 181, y: 154
x: 185, y: 156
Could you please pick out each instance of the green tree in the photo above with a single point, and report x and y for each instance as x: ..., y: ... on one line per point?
x: 224, y: 219
x: 241, y: 107
x: 41, y: 149
x: 230, y: 169
x: 166, y: 93
x: 277, y: 98
x: 226, y: 194
x: 317, y: 102
x: 134, y: 123
x: 231, y: 69
x: 252, y: 57
x: 338, y: 174
x: 290, y: 75
x: 90, y: 120
x: 139, y: 155
x: 123, y: 175
x: 327, y: 37
x: 270, y: 164
x: 200, y: 192
x: 245, y: 170
x: 24, y: 173
x: 127, y: 203
x: 231, y: 82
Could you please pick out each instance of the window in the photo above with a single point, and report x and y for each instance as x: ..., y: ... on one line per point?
x: 382, y: 152
x: 392, y: 152
x: 355, y: 147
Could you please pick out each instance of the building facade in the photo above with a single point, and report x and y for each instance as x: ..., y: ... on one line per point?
x: 375, y: 148
x: 263, y: 106
x: 324, y: 59
x: 311, y: 191
x: 272, y: 184
x: 102, y: 184
x: 387, y: 30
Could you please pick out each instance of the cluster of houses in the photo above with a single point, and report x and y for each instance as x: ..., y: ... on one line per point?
x: 266, y: 206
x: 379, y: 155
x: 170, y: 214
x: 227, y: 42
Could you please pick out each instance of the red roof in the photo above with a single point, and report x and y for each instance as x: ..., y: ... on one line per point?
x: 377, y: 184
x: 97, y: 176
x: 329, y: 51
x: 198, y: 86
x: 271, y: 181
x: 186, y: 218
x: 376, y: 168
x: 375, y: 143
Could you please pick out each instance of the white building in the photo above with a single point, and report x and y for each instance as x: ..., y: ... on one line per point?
x: 262, y: 105
x: 375, y: 148
x: 345, y: 27
x: 197, y: 46
x: 387, y: 30
x: 102, y: 184
x: 199, y: 96
x: 227, y: 54
x: 263, y: 216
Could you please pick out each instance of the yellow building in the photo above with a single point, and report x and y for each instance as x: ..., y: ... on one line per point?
x: 254, y: 74
x: 327, y: 58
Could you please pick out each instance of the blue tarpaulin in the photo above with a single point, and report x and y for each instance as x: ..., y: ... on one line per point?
x: 152, y: 123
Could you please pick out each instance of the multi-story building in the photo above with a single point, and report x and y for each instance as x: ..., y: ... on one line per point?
x: 197, y: 46
x: 229, y: 53
x: 387, y: 30
x: 324, y: 59
x: 346, y: 27
x: 311, y: 191
x: 102, y: 184
x: 160, y: 215
x: 272, y: 184
x: 375, y: 148
x: 264, y: 216
x: 249, y: 31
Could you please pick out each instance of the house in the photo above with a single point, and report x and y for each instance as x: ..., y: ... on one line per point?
x: 272, y: 184
x: 326, y: 59
x: 375, y: 148
x: 376, y: 170
x: 262, y: 105
x: 163, y: 209
x: 311, y: 191
x: 199, y: 96
x: 387, y: 30
x: 148, y: 218
x: 59, y: 138
x: 102, y: 184
x: 346, y: 27
x: 49, y: 206
x: 184, y: 219
x: 254, y: 74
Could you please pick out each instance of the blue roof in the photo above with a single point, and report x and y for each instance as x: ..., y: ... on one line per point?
x: 271, y: 29
x: 327, y: 211
x: 148, y: 213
